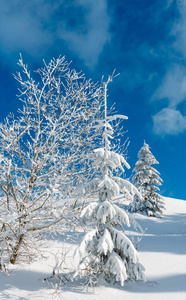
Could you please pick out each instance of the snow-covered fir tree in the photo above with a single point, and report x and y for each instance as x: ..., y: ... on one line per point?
x: 147, y: 180
x: 106, y: 250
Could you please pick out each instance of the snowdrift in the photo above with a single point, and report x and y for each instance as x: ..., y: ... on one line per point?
x: 162, y: 251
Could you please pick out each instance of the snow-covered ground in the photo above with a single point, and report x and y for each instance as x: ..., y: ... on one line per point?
x: 162, y: 251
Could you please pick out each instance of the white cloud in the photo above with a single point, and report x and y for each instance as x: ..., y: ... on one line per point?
x: 35, y: 26
x: 179, y: 29
x: 169, y: 121
x: 23, y: 27
x: 89, y: 41
x: 173, y: 86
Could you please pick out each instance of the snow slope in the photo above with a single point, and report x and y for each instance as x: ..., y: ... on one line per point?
x: 162, y: 251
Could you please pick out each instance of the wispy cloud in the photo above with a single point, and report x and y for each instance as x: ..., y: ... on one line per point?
x: 38, y: 25
x: 24, y: 26
x: 88, y: 37
x: 173, y: 86
x: 179, y: 29
x: 171, y: 120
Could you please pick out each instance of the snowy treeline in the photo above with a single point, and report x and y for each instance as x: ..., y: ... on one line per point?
x: 147, y: 181
x: 106, y: 250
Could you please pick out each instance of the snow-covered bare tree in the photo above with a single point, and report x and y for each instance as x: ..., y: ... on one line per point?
x: 41, y: 152
x: 147, y: 180
x: 106, y: 250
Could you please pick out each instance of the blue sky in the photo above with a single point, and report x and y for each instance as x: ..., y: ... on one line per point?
x: 145, y: 41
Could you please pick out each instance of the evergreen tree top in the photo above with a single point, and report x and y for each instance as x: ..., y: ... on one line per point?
x: 145, y: 156
x: 144, y: 172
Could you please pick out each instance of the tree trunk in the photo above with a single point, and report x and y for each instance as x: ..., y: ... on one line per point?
x: 16, y: 250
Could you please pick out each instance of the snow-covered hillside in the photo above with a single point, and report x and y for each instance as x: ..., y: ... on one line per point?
x: 162, y: 251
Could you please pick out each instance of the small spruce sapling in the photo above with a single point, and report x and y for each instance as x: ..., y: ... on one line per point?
x: 147, y: 180
x: 106, y: 250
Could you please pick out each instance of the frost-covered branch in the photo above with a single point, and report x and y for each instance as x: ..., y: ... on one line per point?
x: 42, y: 152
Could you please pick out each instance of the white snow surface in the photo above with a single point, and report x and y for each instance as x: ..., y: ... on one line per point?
x: 162, y: 251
